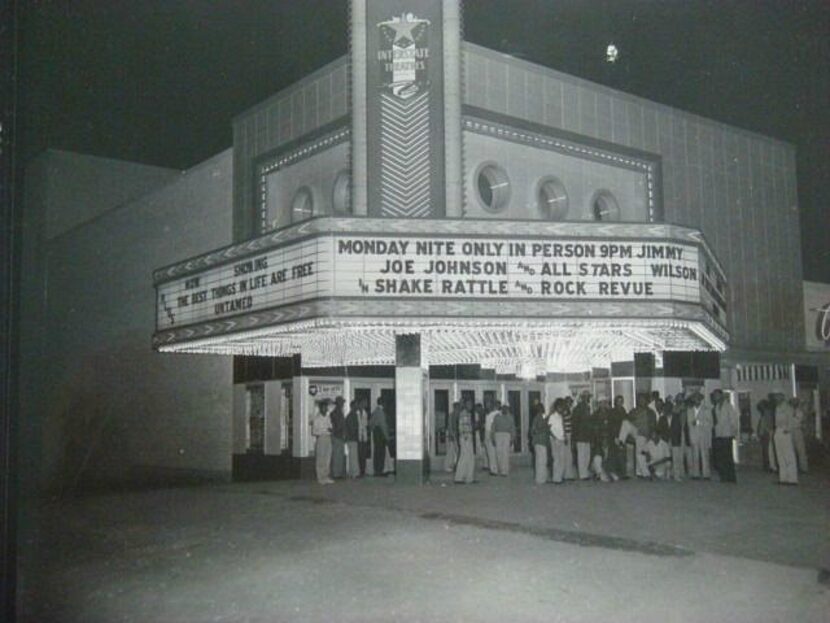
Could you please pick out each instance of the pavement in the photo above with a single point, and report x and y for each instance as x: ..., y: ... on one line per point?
x: 502, y: 550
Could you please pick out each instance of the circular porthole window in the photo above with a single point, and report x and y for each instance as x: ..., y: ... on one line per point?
x: 605, y: 207
x: 551, y: 199
x: 302, y: 205
x: 492, y: 187
x: 341, y: 194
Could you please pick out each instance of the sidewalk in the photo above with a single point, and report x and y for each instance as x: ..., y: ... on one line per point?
x: 370, y: 550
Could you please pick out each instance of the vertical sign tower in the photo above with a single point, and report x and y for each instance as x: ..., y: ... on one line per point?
x: 406, y: 158
x: 398, y: 106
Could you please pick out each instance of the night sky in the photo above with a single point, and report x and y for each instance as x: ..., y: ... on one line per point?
x: 158, y: 81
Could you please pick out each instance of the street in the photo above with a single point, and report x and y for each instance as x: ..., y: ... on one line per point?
x: 499, y: 550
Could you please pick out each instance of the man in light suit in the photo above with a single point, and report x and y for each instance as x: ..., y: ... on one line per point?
x: 784, y: 448
x: 676, y: 420
x: 797, y: 433
x: 465, y: 468
x: 699, y: 420
x: 489, y: 441
x: 726, y: 423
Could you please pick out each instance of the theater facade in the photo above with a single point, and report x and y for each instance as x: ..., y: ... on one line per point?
x: 426, y: 220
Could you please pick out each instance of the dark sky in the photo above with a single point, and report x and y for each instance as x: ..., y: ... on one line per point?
x: 158, y: 81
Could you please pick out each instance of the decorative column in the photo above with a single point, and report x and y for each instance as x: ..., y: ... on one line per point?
x: 358, y: 100
x: 272, y: 442
x: 453, y: 96
x: 411, y: 411
x: 302, y: 408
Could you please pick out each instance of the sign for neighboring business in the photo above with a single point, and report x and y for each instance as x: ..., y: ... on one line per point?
x: 817, y: 315
x: 822, y: 325
x: 442, y: 267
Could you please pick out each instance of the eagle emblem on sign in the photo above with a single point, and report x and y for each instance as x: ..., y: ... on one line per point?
x: 403, y: 54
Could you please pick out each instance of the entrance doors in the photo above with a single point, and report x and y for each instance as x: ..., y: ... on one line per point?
x: 363, y: 397
x: 468, y: 395
x: 255, y: 419
x: 441, y: 409
x: 625, y: 388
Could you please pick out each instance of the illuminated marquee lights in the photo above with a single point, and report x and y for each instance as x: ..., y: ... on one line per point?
x: 508, y: 347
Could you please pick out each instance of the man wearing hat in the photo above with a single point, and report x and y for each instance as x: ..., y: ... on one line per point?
x: 582, y: 434
x: 338, y: 439
x: 699, y: 420
x: 488, y: 439
x: 784, y: 448
x: 726, y: 424
x: 503, y: 430
x: 644, y: 421
x: 380, y: 437
x: 676, y: 419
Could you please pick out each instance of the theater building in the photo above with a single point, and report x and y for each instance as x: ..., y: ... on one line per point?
x: 425, y: 220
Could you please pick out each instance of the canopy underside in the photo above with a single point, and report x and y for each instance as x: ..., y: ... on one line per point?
x: 525, y: 348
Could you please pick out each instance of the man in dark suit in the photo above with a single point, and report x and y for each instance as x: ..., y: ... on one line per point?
x: 380, y: 438
x: 726, y: 427
x: 338, y: 439
x: 615, y: 463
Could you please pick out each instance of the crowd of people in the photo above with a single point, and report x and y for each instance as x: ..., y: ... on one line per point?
x: 344, y: 441
x: 675, y: 438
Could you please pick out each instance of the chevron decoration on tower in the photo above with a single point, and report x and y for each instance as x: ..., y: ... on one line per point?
x: 405, y: 160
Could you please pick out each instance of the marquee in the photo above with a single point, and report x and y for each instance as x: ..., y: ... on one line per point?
x: 360, y: 273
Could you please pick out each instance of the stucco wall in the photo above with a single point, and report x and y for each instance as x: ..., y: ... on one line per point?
x: 739, y: 188
x: 102, y: 403
x: 816, y: 321
x: 85, y: 186
x: 317, y: 100
x: 525, y: 166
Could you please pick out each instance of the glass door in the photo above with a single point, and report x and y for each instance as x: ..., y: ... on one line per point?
x: 255, y: 420
x: 363, y: 398
x: 441, y: 409
x: 489, y: 400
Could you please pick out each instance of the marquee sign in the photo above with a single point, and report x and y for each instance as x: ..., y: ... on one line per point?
x: 436, y: 267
